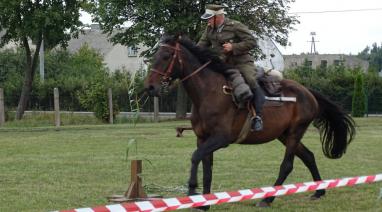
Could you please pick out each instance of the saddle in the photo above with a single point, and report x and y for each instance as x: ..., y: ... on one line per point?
x: 270, y: 81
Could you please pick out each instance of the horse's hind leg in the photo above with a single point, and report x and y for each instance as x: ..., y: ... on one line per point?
x: 308, y: 159
x: 291, y: 141
x: 286, y: 167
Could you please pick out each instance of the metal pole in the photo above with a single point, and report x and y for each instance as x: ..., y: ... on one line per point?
x: 2, y: 112
x: 57, y: 120
x: 110, y: 97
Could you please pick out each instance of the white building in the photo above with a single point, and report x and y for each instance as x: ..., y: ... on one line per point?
x: 115, y: 56
x: 274, y: 59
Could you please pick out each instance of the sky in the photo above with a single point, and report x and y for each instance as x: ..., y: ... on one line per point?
x: 347, y: 32
x: 336, y: 32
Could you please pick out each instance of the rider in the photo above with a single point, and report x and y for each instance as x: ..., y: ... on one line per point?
x: 233, y: 41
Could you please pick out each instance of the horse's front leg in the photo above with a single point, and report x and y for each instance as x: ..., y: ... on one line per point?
x: 207, y: 173
x: 204, y: 152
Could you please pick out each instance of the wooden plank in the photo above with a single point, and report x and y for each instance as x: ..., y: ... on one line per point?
x: 57, y: 119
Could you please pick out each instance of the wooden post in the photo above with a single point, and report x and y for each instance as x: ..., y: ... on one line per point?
x: 2, y: 110
x: 110, y: 97
x: 135, y: 189
x: 156, y: 109
x: 57, y: 120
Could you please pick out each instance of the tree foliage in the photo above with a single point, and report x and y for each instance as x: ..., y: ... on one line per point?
x: 335, y: 82
x: 359, y: 97
x: 24, y: 21
x: 148, y: 19
x: 373, y: 55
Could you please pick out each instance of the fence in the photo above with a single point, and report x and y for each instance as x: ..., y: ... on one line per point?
x: 151, y: 109
x: 57, y: 111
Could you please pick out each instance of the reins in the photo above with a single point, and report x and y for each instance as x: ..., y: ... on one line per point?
x: 166, y: 74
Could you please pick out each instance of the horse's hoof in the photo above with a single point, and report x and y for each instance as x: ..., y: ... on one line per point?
x: 263, y: 204
x: 314, y: 197
x: 193, y: 193
x: 318, y: 195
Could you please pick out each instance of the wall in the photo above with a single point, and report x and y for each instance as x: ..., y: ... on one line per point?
x: 292, y: 61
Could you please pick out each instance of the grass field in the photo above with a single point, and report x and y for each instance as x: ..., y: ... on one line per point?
x: 42, y: 169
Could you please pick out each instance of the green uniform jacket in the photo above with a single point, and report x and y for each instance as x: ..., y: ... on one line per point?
x: 232, y: 32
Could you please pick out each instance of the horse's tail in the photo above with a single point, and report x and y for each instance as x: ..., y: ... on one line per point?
x: 337, y: 129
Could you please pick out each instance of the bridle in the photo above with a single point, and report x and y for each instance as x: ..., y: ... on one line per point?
x: 166, y: 75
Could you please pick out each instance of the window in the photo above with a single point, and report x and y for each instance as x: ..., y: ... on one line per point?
x: 294, y: 64
x: 309, y: 63
x: 324, y: 64
x: 132, y: 51
x: 337, y: 62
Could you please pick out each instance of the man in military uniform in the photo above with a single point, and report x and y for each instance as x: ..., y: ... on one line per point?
x: 232, y: 40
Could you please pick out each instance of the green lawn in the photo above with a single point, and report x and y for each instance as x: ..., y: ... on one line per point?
x: 42, y: 169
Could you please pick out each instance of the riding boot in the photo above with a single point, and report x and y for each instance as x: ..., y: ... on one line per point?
x: 241, y: 90
x: 258, y: 100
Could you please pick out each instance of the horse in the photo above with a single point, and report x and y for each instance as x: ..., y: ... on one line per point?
x: 217, y: 121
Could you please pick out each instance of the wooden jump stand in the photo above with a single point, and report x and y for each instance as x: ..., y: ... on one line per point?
x: 135, y: 192
x: 135, y: 189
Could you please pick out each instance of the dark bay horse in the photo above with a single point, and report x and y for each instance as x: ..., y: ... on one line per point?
x: 217, y: 121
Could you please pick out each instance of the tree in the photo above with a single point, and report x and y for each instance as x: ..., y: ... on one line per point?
x: 374, y: 56
x: 359, y: 97
x: 25, y: 21
x: 147, y: 20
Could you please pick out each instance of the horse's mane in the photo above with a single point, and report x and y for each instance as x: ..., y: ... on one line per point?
x: 202, y: 54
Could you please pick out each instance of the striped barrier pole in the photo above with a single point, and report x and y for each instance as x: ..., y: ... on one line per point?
x: 234, y: 196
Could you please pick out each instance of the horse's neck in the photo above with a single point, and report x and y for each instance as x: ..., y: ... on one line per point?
x: 202, y: 85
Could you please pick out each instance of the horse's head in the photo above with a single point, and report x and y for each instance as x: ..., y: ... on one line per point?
x: 166, y: 65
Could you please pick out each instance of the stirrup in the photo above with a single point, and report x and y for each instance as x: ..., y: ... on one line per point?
x: 256, y: 124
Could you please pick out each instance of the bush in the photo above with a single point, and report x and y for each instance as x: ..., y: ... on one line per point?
x: 359, y: 97
x: 94, y: 98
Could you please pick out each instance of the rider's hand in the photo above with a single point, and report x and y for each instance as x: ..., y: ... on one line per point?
x: 227, y: 47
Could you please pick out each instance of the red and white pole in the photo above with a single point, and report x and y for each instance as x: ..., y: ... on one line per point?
x: 233, y: 196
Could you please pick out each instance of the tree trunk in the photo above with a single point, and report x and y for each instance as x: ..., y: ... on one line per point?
x: 28, y: 77
x: 181, y: 103
x: 25, y: 93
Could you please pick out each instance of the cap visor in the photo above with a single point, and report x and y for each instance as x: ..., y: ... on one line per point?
x: 207, y: 16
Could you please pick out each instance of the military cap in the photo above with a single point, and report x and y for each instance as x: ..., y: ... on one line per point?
x: 212, y: 10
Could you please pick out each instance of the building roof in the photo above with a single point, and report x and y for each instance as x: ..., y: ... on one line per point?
x: 94, y: 38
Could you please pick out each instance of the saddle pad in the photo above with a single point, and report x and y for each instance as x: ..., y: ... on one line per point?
x: 273, y: 103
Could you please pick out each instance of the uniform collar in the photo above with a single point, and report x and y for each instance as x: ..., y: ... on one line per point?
x: 220, y: 28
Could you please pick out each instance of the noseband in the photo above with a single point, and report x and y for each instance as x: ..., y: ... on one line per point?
x: 166, y: 74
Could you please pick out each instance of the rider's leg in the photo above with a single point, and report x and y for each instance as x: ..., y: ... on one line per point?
x: 248, y: 70
x: 241, y: 90
x: 258, y: 100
